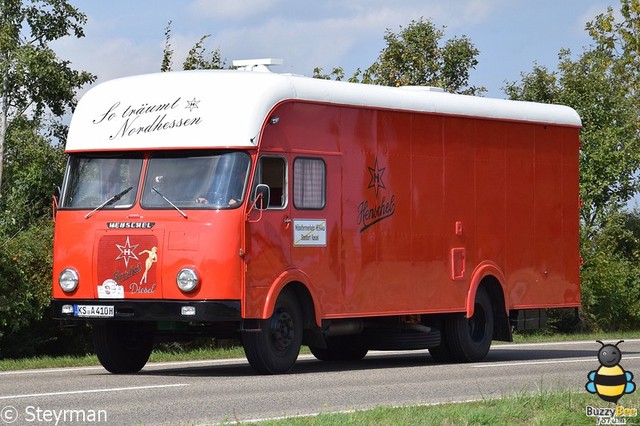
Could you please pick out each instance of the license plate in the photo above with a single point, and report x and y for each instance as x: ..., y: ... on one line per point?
x: 94, y: 311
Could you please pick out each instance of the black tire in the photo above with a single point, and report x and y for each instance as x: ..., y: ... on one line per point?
x: 275, y: 348
x: 322, y: 354
x: 123, y: 347
x: 469, y: 339
x: 441, y: 353
x: 341, y: 348
x: 385, y: 339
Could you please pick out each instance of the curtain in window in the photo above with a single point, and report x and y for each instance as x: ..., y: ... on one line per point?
x: 308, y: 185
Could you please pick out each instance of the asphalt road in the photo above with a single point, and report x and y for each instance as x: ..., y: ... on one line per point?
x: 216, y: 391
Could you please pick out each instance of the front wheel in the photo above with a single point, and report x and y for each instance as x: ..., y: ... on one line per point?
x: 123, y: 347
x: 275, y: 348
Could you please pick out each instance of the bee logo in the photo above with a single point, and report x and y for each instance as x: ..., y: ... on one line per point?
x: 610, y: 381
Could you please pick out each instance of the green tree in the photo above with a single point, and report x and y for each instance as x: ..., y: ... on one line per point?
x: 32, y: 78
x: 336, y: 73
x: 34, y: 166
x: 602, y: 85
x: 611, y: 275
x: 36, y: 89
x: 417, y: 56
x: 198, y: 57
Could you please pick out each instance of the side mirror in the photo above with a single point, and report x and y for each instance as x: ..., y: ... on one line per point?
x: 54, y: 203
x: 262, y: 196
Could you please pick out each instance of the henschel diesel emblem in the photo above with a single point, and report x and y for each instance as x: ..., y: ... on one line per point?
x: 127, y: 265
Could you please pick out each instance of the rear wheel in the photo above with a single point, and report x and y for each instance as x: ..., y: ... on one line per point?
x: 469, y: 339
x: 275, y: 348
x: 123, y: 347
x: 440, y: 353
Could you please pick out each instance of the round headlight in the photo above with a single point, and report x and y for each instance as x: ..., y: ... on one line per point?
x: 68, y: 280
x: 187, y: 280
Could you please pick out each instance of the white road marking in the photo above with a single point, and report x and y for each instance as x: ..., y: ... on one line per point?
x: 551, y: 361
x: 33, y: 395
x: 98, y: 367
x: 49, y: 370
x: 565, y: 342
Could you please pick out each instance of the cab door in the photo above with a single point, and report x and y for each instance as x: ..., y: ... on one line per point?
x: 268, y: 234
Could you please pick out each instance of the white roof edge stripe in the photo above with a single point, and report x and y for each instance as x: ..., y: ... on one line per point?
x: 200, y: 109
x: 432, y: 101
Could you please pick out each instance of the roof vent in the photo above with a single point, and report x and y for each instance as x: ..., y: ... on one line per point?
x: 259, y: 65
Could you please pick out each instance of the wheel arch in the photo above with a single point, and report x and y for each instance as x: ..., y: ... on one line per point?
x: 490, y: 276
x: 297, y: 282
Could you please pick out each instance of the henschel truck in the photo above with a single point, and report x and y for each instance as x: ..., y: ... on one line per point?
x: 284, y: 210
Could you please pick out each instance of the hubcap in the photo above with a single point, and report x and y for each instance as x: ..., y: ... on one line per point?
x: 282, y: 330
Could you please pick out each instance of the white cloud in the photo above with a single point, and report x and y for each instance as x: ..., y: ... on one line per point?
x: 110, y: 58
x: 229, y: 9
x: 329, y: 34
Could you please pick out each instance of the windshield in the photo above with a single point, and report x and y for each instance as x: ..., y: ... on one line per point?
x: 195, y: 180
x: 108, y: 181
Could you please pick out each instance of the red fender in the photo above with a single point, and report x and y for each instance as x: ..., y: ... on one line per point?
x: 484, y: 269
x: 286, y: 277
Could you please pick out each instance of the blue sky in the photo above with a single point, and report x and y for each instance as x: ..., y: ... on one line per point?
x: 126, y: 37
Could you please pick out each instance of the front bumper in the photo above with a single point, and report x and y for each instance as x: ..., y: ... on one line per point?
x: 152, y: 310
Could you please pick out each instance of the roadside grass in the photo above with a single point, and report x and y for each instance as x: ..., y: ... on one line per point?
x: 542, y: 337
x: 541, y: 408
x: 174, y: 354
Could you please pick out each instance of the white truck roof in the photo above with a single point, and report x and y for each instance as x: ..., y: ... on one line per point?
x: 227, y: 108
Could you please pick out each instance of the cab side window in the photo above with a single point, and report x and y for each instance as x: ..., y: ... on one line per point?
x: 273, y: 172
x: 309, y: 188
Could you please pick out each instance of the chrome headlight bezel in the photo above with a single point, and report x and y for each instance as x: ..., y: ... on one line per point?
x: 187, y: 280
x: 68, y: 280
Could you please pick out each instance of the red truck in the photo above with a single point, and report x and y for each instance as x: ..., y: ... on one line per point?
x: 284, y: 210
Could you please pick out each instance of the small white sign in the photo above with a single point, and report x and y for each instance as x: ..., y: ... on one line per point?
x: 309, y: 232
x: 110, y: 290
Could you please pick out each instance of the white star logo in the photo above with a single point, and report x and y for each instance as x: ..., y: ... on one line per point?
x: 192, y: 104
x: 127, y: 252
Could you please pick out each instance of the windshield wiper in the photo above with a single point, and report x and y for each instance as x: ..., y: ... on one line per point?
x: 108, y: 202
x: 169, y: 201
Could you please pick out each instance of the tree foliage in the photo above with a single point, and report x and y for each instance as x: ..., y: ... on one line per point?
x: 198, y: 58
x: 336, y: 74
x: 32, y: 78
x: 417, y: 56
x: 34, y: 166
x: 35, y: 87
x: 611, y: 275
